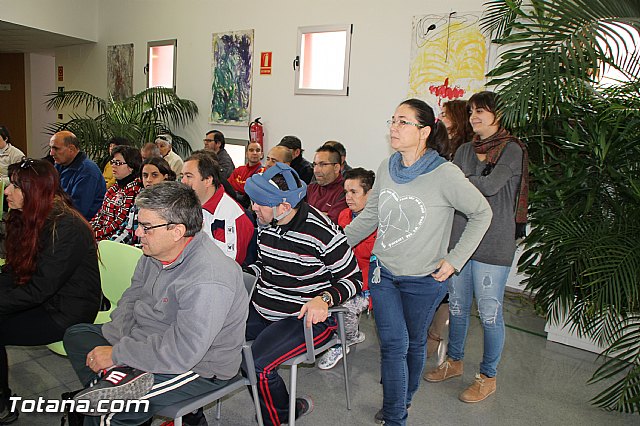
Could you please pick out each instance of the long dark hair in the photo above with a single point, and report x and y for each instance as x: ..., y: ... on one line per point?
x: 43, y: 197
x: 461, y: 131
x: 438, y: 139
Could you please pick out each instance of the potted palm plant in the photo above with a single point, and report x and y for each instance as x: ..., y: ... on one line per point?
x: 139, y: 118
x: 581, y: 257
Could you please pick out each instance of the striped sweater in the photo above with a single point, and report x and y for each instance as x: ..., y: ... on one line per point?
x: 300, y: 260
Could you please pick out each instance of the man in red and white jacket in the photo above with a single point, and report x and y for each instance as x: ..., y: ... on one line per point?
x: 225, y: 221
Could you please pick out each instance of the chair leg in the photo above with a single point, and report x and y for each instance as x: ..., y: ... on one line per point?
x: 177, y: 422
x: 218, y: 409
x: 256, y: 401
x: 343, y: 340
x: 292, y: 395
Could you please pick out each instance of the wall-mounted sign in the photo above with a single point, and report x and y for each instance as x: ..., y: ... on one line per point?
x: 265, y: 62
x: 5, y: 87
x: 60, y: 73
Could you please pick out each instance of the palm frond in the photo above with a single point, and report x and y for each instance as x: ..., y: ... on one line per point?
x: 623, y: 365
x: 76, y: 99
x: 552, y: 51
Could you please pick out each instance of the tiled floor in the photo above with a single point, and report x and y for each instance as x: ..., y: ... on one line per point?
x: 539, y: 383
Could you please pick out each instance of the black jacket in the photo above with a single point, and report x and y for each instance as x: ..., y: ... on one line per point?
x: 66, y: 280
x: 303, y: 168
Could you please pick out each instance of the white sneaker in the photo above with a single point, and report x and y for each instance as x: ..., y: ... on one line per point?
x: 331, y: 358
x: 358, y: 339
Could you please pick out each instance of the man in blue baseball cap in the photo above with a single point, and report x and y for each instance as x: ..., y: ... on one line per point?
x: 304, y: 267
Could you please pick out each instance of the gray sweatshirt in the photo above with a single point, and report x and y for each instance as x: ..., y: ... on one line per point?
x: 187, y: 316
x: 414, y: 220
x: 500, y: 188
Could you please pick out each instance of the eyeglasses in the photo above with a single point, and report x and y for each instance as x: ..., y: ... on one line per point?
x: 147, y: 228
x: 208, y: 140
x: 322, y: 164
x: 117, y: 163
x: 402, y: 123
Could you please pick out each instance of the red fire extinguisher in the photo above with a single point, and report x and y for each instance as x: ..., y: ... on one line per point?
x: 256, y: 132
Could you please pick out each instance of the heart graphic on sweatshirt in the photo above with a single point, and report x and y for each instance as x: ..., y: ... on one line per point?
x: 400, y: 217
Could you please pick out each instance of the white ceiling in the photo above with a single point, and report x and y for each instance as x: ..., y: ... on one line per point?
x: 17, y: 38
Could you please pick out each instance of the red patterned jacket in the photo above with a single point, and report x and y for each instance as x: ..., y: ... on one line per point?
x: 115, y: 208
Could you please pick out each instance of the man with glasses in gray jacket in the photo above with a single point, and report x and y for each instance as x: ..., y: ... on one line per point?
x: 183, y: 318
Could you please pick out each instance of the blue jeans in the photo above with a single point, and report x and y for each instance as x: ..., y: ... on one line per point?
x: 487, y: 283
x: 403, y: 308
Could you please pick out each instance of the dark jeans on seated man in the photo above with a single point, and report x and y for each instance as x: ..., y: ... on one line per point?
x: 168, y: 389
x: 275, y: 342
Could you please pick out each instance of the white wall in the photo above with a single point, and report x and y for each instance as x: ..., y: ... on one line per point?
x: 379, y: 62
x: 73, y: 18
x: 40, y: 74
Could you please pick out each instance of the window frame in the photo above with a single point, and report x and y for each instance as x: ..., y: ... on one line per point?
x: 344, y: 91
x: 169, y: 42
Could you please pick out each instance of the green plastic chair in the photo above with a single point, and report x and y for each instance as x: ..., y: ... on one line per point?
x: 117, y: 263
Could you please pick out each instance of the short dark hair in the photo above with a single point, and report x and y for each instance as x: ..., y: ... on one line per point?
x: 218, y: 136
x: 118, y: 141
x: 208, y: 165
x: 131, y: 156
x: 4, y: 132
x: 162, y: 165
x: 174, y: 202
x: 334, y: 154
x: 338, y: 146
x: 366, y: 177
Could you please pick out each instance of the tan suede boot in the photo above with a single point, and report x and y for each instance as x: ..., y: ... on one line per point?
x: 446, y: 370
x: 479, y: 390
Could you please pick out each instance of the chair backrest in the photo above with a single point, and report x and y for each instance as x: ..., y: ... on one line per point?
x: 117, y: 264
x: 249, y: 282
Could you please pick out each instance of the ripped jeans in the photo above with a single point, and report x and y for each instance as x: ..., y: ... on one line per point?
x: 487, y: 282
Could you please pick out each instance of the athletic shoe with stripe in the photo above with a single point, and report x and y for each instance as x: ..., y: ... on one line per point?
x: 121, y: 382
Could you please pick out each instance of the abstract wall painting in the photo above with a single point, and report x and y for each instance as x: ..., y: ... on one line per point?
x: 231, y: 77
x: 449, y: 57
x: 120, y: 70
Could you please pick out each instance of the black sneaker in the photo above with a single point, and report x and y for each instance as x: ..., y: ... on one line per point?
x: 304, y: 405
x: 6, y: 415
x: 120, y: 382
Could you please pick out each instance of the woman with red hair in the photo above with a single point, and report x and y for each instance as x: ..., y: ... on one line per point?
x: 50, y: 279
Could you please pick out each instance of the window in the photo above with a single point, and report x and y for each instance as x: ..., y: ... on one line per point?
x: 622, y: 42
x: 161, y: 63
x: 322, y: 62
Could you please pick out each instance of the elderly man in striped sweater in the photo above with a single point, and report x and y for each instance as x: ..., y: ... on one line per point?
x: 304, y: 267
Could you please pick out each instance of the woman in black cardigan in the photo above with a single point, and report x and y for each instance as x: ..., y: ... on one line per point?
x: 50, y: 279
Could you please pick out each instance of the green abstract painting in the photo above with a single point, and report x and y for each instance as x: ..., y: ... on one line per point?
x: 231, y: 77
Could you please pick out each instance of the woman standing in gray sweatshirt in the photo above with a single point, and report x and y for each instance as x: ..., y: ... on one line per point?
x: 496, y: 163
x: 412, y: 204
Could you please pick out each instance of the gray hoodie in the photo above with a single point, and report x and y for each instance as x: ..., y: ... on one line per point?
x: 414, y: 220
x: 187, y: 316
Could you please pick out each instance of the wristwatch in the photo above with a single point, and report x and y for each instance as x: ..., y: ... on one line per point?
x: 327, y: 298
